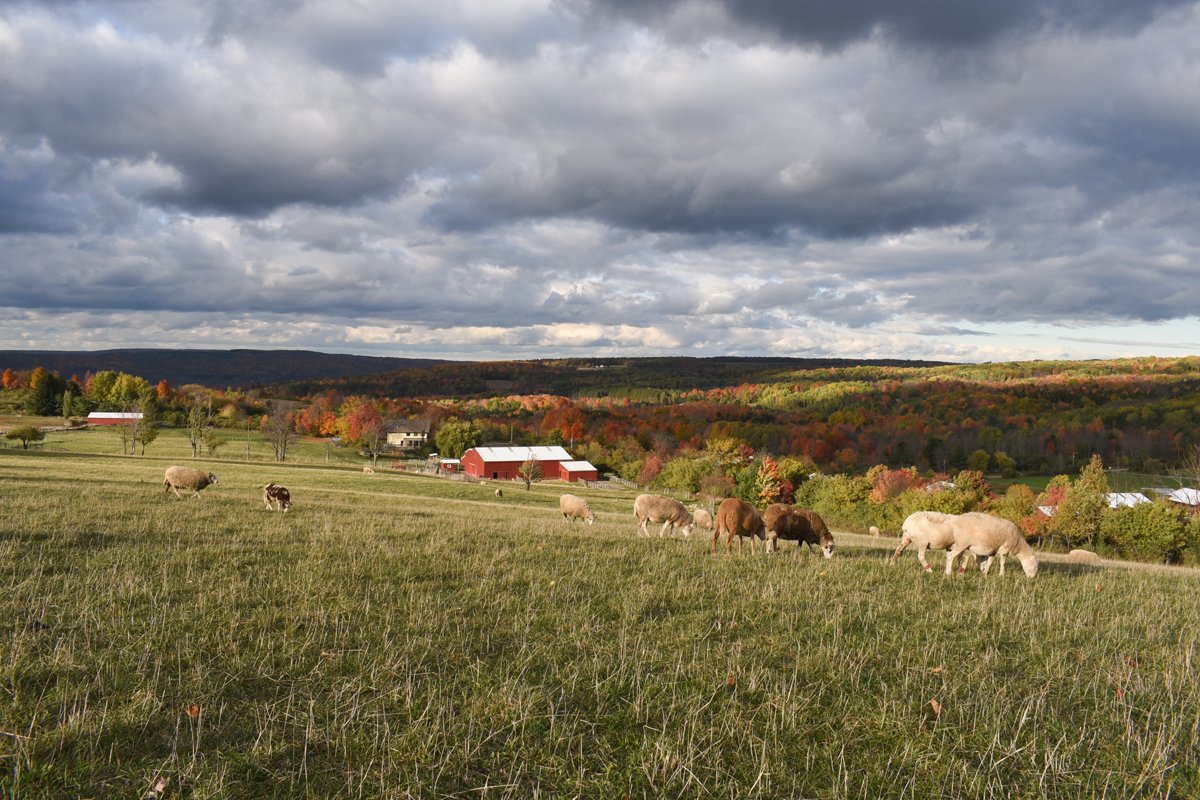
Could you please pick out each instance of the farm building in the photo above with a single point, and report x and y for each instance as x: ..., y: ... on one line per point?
x: 504, y: 463
x: 113, y: 417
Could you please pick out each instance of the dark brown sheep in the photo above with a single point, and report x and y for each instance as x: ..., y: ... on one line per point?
x: 796, y: 525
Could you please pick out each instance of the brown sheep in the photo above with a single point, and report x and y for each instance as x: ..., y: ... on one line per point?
x: 737, y: 518
x: 797, y: 525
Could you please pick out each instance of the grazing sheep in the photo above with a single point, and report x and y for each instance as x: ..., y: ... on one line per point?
x: 986, y: 536
x: 797, y: 525
x: 277, y: 497
x: 368, y: 471
x: 1083, y: 557
x: 177, y: 478
x: 667, y: 510
x: 929, y: 530
x: 702, y: 518
x: 874, y: 531
x: 738, y: 518
x: 499, y: 493
x: 574, y: 507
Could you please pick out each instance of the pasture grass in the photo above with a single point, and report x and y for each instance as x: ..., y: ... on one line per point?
x: 398, y: 636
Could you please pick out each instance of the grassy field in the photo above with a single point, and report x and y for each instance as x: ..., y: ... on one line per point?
x: 400, y: 636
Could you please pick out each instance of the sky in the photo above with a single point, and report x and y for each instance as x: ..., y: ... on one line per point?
x: 921, y: 179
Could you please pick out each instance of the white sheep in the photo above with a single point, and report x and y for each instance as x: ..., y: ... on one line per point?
x: 368, y: 471
x: 703, y: 518
x: 928, y: 530
x: 874, y: 531
x: 177, y: 478
x: 667, y: 510
x: 499, y: 493
x: 574, y: 507
x: 987, y: 536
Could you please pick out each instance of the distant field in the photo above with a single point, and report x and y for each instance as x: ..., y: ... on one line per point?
x: 401, y: 636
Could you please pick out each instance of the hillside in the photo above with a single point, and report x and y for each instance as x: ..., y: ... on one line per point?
x: 589, y: 377
x: 216, y: 368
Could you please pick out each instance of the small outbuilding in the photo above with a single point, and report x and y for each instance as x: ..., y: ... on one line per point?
x: 571, y: 471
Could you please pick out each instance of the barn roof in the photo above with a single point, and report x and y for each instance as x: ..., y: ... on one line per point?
x: 1129, y: 499
x: 1188, y: 497
x: 115, y: 415
x: 577, y: 466
x: 540, y: 452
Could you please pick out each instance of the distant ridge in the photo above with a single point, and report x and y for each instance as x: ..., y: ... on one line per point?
x: 240, y: 368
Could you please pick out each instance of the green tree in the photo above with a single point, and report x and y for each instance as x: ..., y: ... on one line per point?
x: 199, y: 419
x: 979, y: 461
x: 1078, y: 516
x: 45, y: 397
x: 455, y: 437
x: 27, y: 434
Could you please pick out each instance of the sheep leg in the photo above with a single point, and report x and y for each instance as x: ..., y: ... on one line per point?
x: 950, y: 559
x: 662, y: 533
x: 642, y: 527
x: 1002, y: 563
x: 716, y: 537
x: 905, y: 542
x: 921, y: 548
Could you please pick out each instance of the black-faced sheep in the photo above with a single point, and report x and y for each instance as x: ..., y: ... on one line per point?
x: 737, y: 518
x: 574, y: 507
x: 667, y: 510
x: 986, y: 536
x: 277, y: 497
x: 177, y: 478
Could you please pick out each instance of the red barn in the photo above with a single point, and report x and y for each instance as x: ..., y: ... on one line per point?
x: 113, y: 417
x: 504, y: 463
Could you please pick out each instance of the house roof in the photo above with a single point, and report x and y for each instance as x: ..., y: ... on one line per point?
x: 577, y: 466
x: 540, y: 452
x: 408, y: 426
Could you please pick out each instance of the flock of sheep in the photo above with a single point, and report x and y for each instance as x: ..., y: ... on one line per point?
x: 982, y: 535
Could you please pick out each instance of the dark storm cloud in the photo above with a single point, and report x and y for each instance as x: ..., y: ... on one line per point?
x: 712, y: 176
x: 925, y: 23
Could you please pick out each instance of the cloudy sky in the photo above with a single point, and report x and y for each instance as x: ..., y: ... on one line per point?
x: 968, y: 181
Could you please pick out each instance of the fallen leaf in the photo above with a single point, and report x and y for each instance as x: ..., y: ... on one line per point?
x: 730, y: 682
x: 1097, y: 587
x: 1120, y: 693
x: 938, y: 670
x: 193, y: 711
x: 937, y: 707
x: 157, y: 791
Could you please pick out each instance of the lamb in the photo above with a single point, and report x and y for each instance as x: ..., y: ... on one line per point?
x: 930, y: 530
x: 574, y: 507
x: 702, y: 518
x: 368, y: 471
x: 798, y: 525
x: 277, y: 497
x: 667, y: 510
x: 986, y: 536
x: 177, y: 478
x: 874, y: 531
x: 738, y: 518
x: 499, y: 493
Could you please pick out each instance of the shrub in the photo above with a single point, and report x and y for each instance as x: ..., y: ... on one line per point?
x: 1149, y: 531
